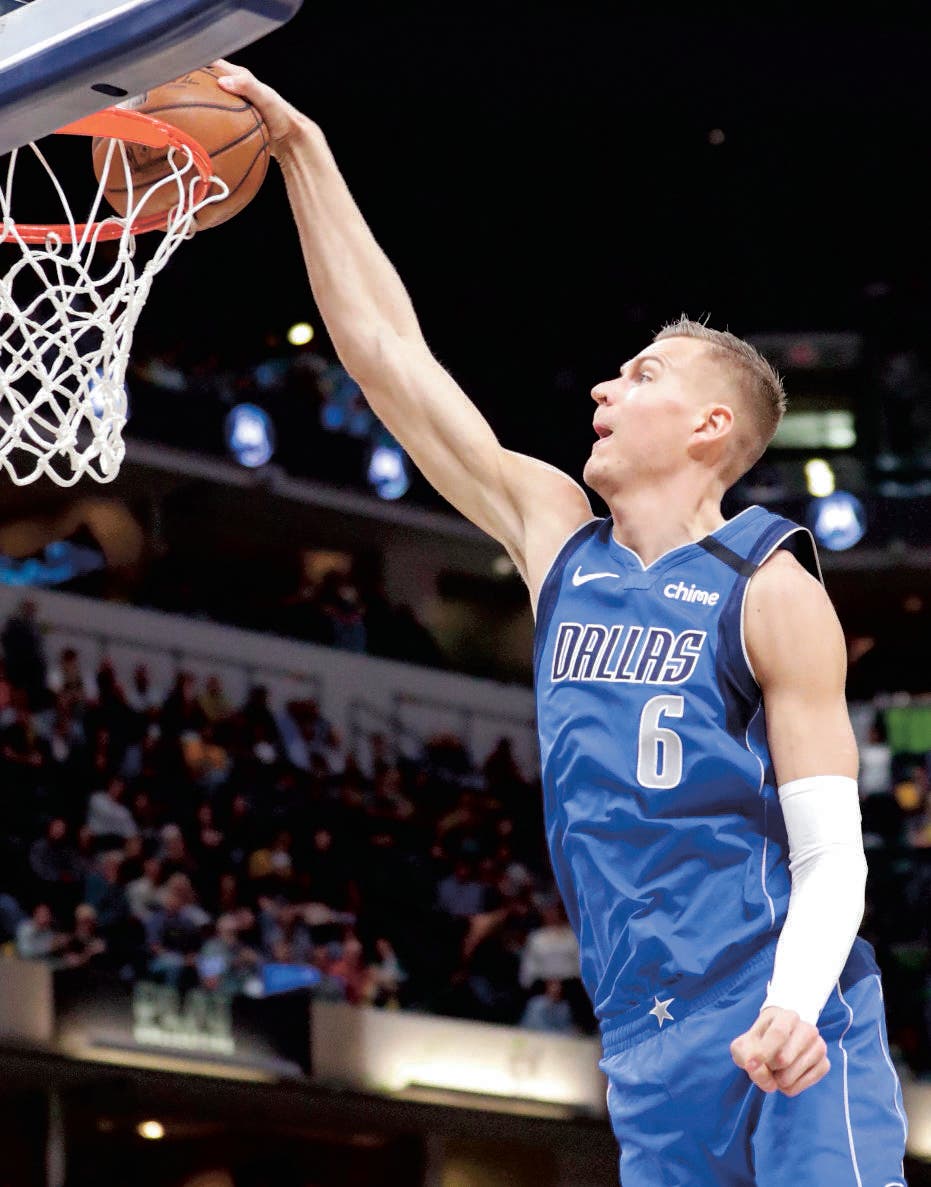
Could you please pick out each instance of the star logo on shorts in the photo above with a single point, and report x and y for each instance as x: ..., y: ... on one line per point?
x: 660, y: 1011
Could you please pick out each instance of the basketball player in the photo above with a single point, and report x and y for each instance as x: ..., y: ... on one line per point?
x: 699, y: 768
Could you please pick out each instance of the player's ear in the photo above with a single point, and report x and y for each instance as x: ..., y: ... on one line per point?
x: 711, y: 433
x: 716, y: 422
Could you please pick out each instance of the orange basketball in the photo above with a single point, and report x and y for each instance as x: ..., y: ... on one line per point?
x: 228, y: 126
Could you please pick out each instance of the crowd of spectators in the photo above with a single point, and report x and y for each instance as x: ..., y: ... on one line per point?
x: 169, y: 834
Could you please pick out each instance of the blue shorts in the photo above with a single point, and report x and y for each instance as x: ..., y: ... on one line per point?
x: 685, y: 1115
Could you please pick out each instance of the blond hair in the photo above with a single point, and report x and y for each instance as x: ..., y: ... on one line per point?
x: 758, y: 383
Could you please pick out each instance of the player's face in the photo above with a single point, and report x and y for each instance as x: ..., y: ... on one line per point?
x: 645, y: 416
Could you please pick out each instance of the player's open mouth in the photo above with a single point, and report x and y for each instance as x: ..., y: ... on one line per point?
x: 602, y: 432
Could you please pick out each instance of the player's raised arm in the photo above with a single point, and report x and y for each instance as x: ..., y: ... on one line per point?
x: 526, y: 505
x: 815, y: 758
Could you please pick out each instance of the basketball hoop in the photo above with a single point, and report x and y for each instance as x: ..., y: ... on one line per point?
x: 69, y: 304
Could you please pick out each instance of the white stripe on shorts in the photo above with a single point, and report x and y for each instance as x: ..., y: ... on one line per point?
x: 840, y: 1043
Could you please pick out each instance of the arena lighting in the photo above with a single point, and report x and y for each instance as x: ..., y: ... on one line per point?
x: 837, y: 521
x: 152, y: 1131
x: 250, y: 435
x: 387, y: 471
x: 819, y: 477
x: 301, y: 333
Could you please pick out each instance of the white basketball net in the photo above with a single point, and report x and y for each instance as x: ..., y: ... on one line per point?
x: 67, y: 315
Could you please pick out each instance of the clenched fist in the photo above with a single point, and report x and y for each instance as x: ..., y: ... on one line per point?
x: 781, y: 1052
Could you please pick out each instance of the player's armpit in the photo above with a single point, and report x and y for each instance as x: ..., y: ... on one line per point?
x: 796, y: 647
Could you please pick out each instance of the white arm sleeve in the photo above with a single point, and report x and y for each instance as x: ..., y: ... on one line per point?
x: 828, y: 869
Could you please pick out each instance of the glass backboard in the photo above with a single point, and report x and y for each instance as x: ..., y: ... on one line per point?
x: 64, y: 59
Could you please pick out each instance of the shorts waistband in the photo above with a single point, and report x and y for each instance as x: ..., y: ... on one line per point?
x: 638, y: 1024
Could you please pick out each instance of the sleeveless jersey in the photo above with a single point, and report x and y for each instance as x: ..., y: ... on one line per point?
x: 664, y: 826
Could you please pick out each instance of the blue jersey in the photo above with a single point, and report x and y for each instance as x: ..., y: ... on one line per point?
x: 663, y: 822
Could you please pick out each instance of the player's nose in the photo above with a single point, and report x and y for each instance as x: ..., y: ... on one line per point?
x: 600, y: 393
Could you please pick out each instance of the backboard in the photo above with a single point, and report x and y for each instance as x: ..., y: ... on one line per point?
x: 61, y: 60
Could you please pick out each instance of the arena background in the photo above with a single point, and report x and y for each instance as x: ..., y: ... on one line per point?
x: 553, y: 182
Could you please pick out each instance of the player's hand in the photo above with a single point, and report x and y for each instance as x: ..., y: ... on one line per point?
x: 282, y: 119
x: 781, y: 1053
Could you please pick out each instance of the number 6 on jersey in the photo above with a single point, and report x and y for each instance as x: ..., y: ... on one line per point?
x: 659, y: 751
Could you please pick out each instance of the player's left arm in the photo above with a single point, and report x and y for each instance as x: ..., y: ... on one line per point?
x: 796, y: 648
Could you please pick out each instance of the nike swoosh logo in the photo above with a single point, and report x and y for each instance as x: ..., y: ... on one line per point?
x: 579, y: 578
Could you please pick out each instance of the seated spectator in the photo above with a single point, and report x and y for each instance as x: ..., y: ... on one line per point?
x: 108, y: 818
x: 343, y: 612
x: 227, y: 900
x: 71, y: 683
x: 133, y: 857
x: 272, y: 866
x: 142, y: 893
x: 515, y: 877
x: 66, y: 755
x: 552, y: 951
x: 549, y: 1011
x: 23, y: 750
x: 346, y: 963
x: 257, y: 716
x: 914, y: 797
x: 104, y: 891
x: 173, y: 852
x: 85, y: 946
x: 178, y: 888
x: 240, y: 829
x: 388, y: 799
x: 173, y: 942
x: 214, y: 702
x: 55, y: 863
x: 225, y: 963
x: 37, y: 938
x: 181, y: 711
x: 208, y: 847
x: 286, y: 935
x: 386, y: 976
x: 459, y: 893
x: 207, y: 763
x: 67, y: 728
x: 143, y: 697
x: 875, y: 776
x: 461, y: 829
x: 307, y: 735
x: 148, y: 817
x: 446, y: 755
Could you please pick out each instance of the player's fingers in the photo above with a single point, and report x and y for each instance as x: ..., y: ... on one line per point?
x: 803, y: 1042
x: 744, y: 1047
x: 812, y: 1076
x: 777, y: 1035
x: 762, y: 1077
x: 280, y: 117
x: 810, y: 1057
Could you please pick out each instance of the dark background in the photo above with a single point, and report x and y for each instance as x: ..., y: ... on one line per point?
x: 542, y: 176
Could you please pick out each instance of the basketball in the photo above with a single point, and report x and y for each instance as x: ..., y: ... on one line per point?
x: 229, y: 127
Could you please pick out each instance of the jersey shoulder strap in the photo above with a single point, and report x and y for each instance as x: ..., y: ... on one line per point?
x: 755, y: 535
